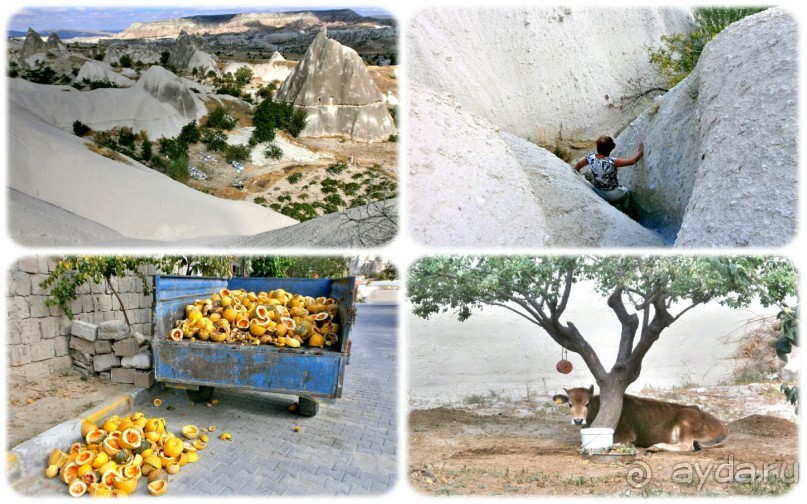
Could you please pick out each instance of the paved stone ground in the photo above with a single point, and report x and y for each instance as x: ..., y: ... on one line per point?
x: 348, y: 448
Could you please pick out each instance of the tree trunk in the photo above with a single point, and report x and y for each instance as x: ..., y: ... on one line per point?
x: 120, y: 301
x: 612, y: 393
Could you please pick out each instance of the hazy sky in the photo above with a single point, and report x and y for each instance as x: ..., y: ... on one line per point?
x: 118, y: 18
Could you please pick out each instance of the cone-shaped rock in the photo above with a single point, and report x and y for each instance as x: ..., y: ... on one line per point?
x: 168, y: 88
x: 333, y: 85
x: 54, y: 43
x: 33, y: 43
x: 189, y: 53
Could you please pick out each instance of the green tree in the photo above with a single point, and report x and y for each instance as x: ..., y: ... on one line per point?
x: 299, y: 267
x: 190, y: 133
x: 220, y: 119
x: 787, y: 321
x: 646, y: 294
x: 297, y: 122
x: 243, y: 75
x: 679, y: 52
x: 271, y: 266
x: 268, y: 117
x: 209, y: 266
x: 238, y: 153
x: 125, y: 61
x: 75, y: 271
x: 214, y: 139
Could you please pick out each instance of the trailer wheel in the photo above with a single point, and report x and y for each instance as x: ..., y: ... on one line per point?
x: 308, y: 406
x: 202, y: 395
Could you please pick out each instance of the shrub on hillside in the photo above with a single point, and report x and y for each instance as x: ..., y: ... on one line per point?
x: 219, y: 118
x: 145, y: 149
x: 189, y: 133
x: 238, y: 153
x: 679, y: 52
x: 40, y: 75
x: 214, y: 139
x: 79, y: 128
x: 273, y: 151
x: 126, y: 137
x: 177, y: 168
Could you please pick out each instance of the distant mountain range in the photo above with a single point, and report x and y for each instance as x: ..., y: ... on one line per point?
x: 65, y: 34
x: 253, y: 22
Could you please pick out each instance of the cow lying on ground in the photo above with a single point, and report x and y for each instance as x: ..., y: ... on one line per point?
x: 648, y: 423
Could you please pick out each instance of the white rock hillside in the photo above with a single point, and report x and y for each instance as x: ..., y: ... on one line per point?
x: 159, y: 103
x: 536, y: 71
x: 721, y: 159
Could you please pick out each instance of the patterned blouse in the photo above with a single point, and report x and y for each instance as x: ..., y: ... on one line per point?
x: 604, y: 171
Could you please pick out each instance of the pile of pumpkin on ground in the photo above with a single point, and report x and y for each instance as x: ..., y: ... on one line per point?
x: 276, y: 318
x: 113, y: 457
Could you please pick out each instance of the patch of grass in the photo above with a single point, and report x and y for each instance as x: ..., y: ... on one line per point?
x: 105, y: 151
x: 773, y: 486
x: 475, y: 399
x: 750, y: 377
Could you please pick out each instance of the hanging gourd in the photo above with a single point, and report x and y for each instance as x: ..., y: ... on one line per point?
x: 564, y: 366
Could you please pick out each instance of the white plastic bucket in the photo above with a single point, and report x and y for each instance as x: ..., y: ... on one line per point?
x: 597, y: 438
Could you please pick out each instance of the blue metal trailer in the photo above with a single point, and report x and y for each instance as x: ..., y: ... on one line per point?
x: 199, y: 367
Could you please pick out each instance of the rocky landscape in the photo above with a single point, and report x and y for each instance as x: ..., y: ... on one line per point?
x: 720, y: 170
x: 110, y: 136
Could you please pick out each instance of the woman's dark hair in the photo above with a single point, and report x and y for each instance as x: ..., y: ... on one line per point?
x: 605, y: 145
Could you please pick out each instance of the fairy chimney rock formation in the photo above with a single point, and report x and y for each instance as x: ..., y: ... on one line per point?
x: 168, y: 88
x: 54, y: 43
x: 333, y: 85
x: 33, y: 44
x: 189, y: 53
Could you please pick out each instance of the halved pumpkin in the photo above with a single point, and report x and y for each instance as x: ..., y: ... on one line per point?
x: 131, y: 438
x: 158, y: 487
x: 77, y: 488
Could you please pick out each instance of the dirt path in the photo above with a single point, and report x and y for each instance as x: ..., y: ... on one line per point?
x: 530, y: 448
x: 36, y: 405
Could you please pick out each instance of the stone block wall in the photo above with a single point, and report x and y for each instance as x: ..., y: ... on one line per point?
x: 38, y: 336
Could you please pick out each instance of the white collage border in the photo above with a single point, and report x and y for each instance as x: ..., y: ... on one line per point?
x: 403, y: 250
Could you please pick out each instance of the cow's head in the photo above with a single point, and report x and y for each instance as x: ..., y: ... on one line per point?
x: 578, y: 400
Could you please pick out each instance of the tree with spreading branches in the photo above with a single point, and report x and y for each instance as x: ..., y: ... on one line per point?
x: 646, y: 294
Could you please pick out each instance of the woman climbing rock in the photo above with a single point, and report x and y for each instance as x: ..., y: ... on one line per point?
x: 604, y: 171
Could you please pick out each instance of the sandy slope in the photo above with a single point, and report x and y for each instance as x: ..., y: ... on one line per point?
x: 35, y: 222
x: 131, y: 199
x: 159, y: 103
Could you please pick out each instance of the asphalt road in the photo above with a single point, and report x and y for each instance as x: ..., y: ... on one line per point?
x: 349, y: 448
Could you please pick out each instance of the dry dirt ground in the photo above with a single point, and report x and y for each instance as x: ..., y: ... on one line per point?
x: 267, y: 181
x: 529, y: 447
x: 36, y: 405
